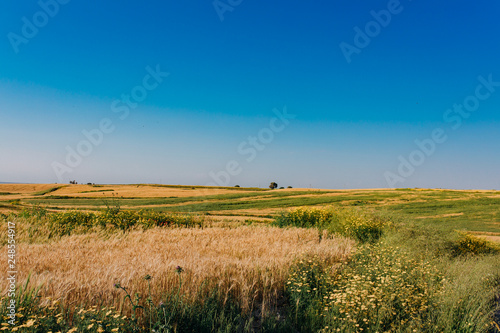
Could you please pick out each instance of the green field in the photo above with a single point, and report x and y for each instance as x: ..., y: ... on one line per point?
x: 467, y: 210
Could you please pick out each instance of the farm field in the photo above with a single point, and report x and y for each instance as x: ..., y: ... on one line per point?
x: 200, y: 259
x: 476, y: 211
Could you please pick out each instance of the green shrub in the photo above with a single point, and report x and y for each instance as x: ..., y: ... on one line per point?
x: 357, y: 224
x: 65, y: 222
x: 349, y: 222
x: 33, y: 212
x: 468, y: 244
x: 303, y: 217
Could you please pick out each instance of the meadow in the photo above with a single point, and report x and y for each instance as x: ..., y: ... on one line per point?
x: 166, y: 258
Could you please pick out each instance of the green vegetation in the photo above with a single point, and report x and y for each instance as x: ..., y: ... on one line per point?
x: 414, y: 279
x: 470, y: 244
x: 40, y: 193
x: 382, y: 289
x: 463, y: 210
x: 349, y: 222
x: 38, y: 225
x: 109, y: 190
x: 208, y: 201
x: 276, y: 200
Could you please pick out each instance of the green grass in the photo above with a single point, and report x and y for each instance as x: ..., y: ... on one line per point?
x: 479, y: 214
x: 39, y: 193
x: 277, y: 201
x: 110, y: 190
x: 217, y: 199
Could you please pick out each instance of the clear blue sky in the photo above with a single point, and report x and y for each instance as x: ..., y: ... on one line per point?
x: 359, y: 100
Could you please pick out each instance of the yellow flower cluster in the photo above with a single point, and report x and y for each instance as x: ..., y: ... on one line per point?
x: 350, y: 222
x: 308, y: 278
x: 380, y: 288
x: 309, y: 217
x: 392, y: 288
x: 91, y: 319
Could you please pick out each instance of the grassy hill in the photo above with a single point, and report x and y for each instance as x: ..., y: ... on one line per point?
x: 477, y: 211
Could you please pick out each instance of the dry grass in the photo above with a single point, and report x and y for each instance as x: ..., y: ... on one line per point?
x: 489, y: 236
x: 495, y: 239
x: 25, y: 188
x: 250, y: 262
x: 250, y: 211
x: 136, y: 191
x: 141, y: 191
x: 237, y: 220
x: 439, y: 216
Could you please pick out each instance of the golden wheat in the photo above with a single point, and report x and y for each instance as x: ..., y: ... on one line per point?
x: 249, y: 262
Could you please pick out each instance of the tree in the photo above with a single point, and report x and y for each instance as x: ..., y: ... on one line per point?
x: 273, y: 185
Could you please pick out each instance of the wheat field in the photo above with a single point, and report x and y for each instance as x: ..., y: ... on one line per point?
x: 251, y: 262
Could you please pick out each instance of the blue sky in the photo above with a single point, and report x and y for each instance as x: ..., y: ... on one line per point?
x: 66, y: 65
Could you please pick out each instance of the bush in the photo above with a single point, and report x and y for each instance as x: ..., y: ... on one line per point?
x: 33, y: 212
x: 303, y: 217
x: 468, y: 244
x: 350, y: 222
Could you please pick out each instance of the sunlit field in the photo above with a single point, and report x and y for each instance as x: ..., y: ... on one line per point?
x: 143, y: 258
x: 245, y: 260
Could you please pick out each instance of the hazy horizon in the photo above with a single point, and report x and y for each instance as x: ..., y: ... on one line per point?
x: 260, y: 186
